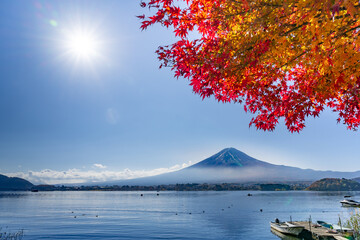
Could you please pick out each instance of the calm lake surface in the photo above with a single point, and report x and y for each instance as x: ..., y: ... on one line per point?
x: 128, y: 215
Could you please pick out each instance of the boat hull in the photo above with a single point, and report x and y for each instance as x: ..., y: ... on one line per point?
x: 283, y: 236
x: 350, y: 203
x: 285, y: 228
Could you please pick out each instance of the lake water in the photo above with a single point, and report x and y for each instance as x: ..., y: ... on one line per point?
x: 171, y: 215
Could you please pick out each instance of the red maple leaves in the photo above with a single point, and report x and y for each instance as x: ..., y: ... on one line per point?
x: 280, y: 60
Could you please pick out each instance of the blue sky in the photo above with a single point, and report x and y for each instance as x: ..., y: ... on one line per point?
x: 118, y: 110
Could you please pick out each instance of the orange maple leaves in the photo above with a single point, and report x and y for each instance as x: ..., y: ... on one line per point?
x: 281, y: 59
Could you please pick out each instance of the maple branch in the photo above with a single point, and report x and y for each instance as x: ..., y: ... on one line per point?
x: 285, y: 59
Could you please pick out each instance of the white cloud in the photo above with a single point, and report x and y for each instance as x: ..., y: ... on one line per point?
x: 99, y: 165
x: 48, y: 176
x: 112, y: 116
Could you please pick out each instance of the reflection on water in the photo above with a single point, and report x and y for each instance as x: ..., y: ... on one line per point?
x: 12, y: 194
x: 283, y: 236
x: 169, y: 215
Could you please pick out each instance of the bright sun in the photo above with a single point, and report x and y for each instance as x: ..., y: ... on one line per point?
x: 82, y: 45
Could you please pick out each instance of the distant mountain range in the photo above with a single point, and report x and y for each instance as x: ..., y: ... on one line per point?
x: 14, y: 183
x: 233, y: 166
x: 227, y: 166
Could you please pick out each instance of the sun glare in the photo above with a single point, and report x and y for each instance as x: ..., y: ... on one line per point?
x: 82, y: 45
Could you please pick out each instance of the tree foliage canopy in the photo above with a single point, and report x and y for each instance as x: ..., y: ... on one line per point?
x: 285, y: 59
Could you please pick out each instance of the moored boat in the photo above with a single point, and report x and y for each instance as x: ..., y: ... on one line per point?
x: 325, y: 224
x: 337, y: 228
x: 350, y: 203
x: 287, y: 228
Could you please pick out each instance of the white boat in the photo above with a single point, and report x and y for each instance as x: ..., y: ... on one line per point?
x: 350, y: 203
x: 342, y: 229
x: 287, y: 228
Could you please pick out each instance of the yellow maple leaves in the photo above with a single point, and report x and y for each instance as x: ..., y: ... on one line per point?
x: 321, y: 33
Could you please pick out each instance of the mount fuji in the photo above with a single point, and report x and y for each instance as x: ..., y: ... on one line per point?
x: 233, y: 166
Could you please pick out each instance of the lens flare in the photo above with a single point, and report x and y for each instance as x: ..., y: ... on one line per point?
x: 53, y: 23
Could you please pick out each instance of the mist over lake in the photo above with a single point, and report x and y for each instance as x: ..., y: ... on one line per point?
x: 169, y: 215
